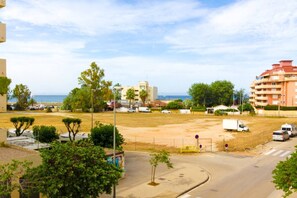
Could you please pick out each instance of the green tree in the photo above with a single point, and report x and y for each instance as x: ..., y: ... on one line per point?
x: 73, y: 170
x: 187, y: 103
x: 130, y: 95
x: 21, y: 124
x: 93, y: 79
x: 174, y: 105
x: 4, y: 85
x: 222, y: 92
x: 78, y: 98
x: 9, y: 174
x: 72, y: 125
x: 143, y: 96
x: 102, y: 135
x: 31, y: 102
x: 22, y: 94
x: 157, y: 158
x: 201, y: 94
x: 45, y: 134
x: 117, y: 92
x: 284, y: 175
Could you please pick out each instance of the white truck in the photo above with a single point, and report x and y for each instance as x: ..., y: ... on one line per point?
x: 144, y: 109
x: 234, y: 125
x: 290, y: 128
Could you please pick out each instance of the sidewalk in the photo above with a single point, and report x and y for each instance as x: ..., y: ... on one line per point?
x: 183, y: 177
x: 180, y: 179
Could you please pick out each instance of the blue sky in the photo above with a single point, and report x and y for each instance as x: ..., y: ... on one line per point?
x: 170, y: 43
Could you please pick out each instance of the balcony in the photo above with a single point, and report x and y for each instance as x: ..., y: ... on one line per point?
x: 2, y: 32
x: 269, y: 92
x: 261, y: 98
x: 268, y: 86
x: 2, y: 3
x: 261, y: 103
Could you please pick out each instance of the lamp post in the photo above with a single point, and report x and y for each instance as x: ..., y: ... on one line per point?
x: 92, y: 115
x: 114, y: 132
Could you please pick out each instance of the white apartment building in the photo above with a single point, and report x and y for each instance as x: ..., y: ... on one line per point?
x: 3, y: 99
x: 142, y: 85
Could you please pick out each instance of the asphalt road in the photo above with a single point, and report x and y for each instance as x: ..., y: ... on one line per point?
x: 240, y: 176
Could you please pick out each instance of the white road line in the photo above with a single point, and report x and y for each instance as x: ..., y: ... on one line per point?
x: 277, y: 153
x: 185, y: 196
x: 269, y: 152
x: 285, y: 153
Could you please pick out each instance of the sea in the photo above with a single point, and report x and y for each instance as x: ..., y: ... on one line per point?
x: 60, y: 98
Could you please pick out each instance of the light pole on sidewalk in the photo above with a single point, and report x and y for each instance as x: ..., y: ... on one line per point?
x: 115, y: 89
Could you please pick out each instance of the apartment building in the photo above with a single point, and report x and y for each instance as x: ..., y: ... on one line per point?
x: 143, y: 85
x: 3, y: 98
x: 276, y: 86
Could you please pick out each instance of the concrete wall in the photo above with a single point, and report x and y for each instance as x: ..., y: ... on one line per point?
x: 3, y: 135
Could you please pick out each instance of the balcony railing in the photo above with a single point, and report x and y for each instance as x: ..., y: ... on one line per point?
x: 268, y: 86
x: 2, y: 32
x: 2, y: 3
x: 261, y: 103
x: 261, y: 98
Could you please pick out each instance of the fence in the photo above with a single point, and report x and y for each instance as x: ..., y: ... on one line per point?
x: 185, y: 144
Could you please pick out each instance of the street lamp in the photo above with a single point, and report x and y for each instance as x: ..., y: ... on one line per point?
x: 92, y: 110
x: 114, y: 131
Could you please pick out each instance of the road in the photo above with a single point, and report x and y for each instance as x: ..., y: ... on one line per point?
x: 240, y: 176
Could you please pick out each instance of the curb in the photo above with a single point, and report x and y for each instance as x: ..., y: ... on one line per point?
x: 203, y: 182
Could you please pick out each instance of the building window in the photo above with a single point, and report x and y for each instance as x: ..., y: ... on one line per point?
x: 275, y: 77
x: 275, y: 102
x: 275, y: 96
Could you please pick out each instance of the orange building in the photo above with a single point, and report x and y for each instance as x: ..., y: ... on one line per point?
x: 277, y: 86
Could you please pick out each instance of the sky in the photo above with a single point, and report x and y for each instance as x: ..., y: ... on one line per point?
x: 172, y: 44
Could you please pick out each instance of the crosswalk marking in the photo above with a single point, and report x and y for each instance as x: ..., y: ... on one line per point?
x: 269, y: 152
x: 277, y: 153
x: 285, y: 153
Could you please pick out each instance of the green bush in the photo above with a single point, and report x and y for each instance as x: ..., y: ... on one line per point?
x: 220, y: 113
x: 174, y: 105
x: 45, y: 134
x: 198, y: 108
x: 102, y: 135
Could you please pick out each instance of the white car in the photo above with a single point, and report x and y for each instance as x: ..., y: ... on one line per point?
x: 280, y: 135
x: 165, y: 111
x: 131, y: 110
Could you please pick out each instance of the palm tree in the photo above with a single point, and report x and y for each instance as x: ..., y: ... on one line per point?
x: 143, y: 95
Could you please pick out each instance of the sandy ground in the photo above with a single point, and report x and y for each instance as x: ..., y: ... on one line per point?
x: 178, y: 135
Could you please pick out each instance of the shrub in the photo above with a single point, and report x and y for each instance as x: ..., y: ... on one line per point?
x: 45, y: 134
x: 102, y: 135
x: 220, y: 113
x: 174, y: 105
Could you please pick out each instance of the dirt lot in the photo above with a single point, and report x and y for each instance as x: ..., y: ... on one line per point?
x: 167, y: 129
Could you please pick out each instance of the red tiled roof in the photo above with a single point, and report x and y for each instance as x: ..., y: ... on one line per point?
x: 278, y: 67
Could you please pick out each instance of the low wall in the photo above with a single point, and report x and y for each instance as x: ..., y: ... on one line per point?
x: 3, y: 135
x: 277, y: 113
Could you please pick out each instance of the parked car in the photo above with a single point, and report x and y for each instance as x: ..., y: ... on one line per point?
x: 131, y: 110
x: 280, y: 135
x: 165, y: 111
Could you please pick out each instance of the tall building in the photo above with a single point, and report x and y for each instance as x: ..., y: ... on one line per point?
x: 276, y: 86
x: 143, y: 85
x: 3, y: 98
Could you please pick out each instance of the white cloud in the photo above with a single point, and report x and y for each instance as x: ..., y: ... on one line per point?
x: 170, y: 43
x: 105, y: 16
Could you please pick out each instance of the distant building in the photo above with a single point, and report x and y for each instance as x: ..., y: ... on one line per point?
x: 143, y: 85
x: 277, y: 86
x: 3, y: 98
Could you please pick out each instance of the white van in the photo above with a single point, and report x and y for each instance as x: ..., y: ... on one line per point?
x: 144, y: 109
x: 291, y: 128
